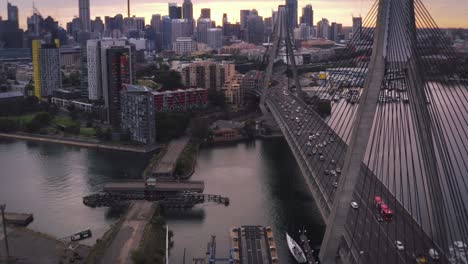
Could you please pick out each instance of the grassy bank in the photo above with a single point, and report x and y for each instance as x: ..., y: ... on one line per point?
x: 154, y: 160
x: 153, y: 244
x: 186, y: 161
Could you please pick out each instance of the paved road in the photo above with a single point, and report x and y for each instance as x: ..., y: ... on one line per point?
x: 373, y: 240
x: 130, y: 233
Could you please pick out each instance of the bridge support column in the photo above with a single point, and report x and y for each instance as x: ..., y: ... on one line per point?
x: 281, y: 36
x: 359, y: 140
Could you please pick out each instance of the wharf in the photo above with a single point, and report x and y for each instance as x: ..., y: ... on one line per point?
x: 253, y: 245
x: 18, y: 218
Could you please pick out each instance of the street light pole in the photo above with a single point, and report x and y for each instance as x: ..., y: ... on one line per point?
x: 2, y: 208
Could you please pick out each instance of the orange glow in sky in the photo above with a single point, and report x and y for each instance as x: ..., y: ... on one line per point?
x: 446, y: 13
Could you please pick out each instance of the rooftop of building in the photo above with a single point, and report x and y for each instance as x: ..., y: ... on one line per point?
x: 178, y: 91
x: 136, y: 88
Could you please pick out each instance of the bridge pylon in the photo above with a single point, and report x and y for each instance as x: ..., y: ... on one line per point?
x: 394, y: 49
x: 281, y: 38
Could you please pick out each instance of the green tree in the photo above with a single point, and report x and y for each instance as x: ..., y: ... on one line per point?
x: 7, y: 125
x: 200, y: 128
x: 43, y: 118
x: 99, y: 133
x: 108, y: 134
x: 217, y: 98
x: 33, y: 126
x: 170, y: 80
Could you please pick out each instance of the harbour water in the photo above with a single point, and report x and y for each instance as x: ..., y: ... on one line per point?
x: 261, y: 178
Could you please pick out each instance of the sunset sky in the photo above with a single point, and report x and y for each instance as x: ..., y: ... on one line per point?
x: 447, y: 13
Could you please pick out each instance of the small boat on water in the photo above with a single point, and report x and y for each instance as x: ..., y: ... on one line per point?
x: 81, y: 235
x: 296, y: 250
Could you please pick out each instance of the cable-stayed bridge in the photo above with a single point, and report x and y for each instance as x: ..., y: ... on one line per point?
x: 388, y: 167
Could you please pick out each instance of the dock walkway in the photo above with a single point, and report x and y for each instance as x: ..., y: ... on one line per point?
x: 167, y: 165
x: 130, y: 233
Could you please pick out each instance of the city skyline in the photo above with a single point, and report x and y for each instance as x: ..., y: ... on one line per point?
x: 448, y: 14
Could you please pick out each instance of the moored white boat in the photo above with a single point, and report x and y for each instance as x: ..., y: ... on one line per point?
x: 296, y: 250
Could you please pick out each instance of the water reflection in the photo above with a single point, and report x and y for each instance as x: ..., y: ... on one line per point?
x: 49, y: 180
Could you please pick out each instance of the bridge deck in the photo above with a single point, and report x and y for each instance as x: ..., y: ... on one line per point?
x: 373, y: 240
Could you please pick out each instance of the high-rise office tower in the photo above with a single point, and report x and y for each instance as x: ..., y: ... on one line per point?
x: 205, y: 13
x: 243, y: 18
x: 13, y: 14
x: 307, y: 16
x: 215, y: 38
x: 357, y: 27
x: 47, y: 69
x: 85, y: 17
x: 203, y: 24
x: 180, y: 28
x: 255, y: 28
x: 225, y: 18
x: 187, y: 10
x: 11, y: 36
x: 166, y: 32
x: 156, y: 22
x: 97, y: 25
x: 323, y: 29
x: 175, y: 12
x: 336, y: 32
x: 140, y: 23
x: 291, y: 7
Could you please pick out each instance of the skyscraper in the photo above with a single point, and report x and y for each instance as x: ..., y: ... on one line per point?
x: 203, y: 24
x: 357, y: 27
x: 96, y: 60
x: 180, y: 28
x: 255, y: 28
x: 120, y: 71
x: 13, y: 14
x: 291, y: 7
x: 205, y: 13
x: 215, y: 38
x: 307, y: 16
x: 166, y: 32
x: 47, y: 70
x: 85, y: 17
x: 187, y: 10
x: 175, y: 12
x: 225, y: 19
x: 336, y: 32
x: 243, y: 18
x: 323, y: 29
x: 156, y: 23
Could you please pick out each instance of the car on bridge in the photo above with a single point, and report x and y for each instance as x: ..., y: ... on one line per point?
x: 399, y: 245
x: 384, y: 210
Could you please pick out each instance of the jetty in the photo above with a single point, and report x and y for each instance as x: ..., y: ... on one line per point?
x: 19, y: 219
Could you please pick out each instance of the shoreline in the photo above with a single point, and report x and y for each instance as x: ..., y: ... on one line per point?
x: 77, y: 142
